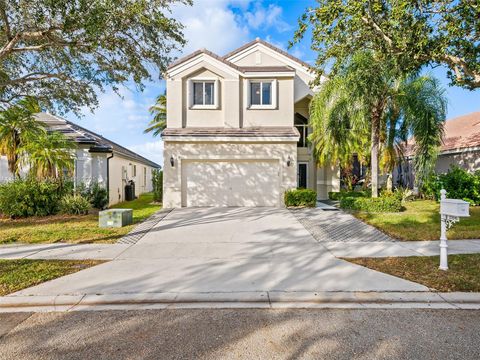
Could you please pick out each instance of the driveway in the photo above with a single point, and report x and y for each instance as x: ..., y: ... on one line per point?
x: 224, y: 250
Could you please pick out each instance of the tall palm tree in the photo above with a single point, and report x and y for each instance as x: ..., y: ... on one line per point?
x: 48, y: 154
x: 368, y: 107
x: 159, y: 112
x: 17, y: 124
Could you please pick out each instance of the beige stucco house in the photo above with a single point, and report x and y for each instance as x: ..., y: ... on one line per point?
x: 97, y: 159
x: 237, y: 128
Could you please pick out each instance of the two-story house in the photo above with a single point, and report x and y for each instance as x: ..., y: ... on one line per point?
x: 237, y: 129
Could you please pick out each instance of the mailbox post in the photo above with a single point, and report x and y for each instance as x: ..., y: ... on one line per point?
x: 451, y: 210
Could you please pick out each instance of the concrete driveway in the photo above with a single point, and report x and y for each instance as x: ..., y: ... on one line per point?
x: 224, y: 250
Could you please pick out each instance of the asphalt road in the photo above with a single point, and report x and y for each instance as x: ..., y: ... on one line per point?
x: 242, y: 334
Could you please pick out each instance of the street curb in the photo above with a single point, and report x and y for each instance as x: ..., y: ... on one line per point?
x: 269, y: 300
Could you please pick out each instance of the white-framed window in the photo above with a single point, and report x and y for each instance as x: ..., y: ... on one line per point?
x: 262, y: 94
x: 203, y: 93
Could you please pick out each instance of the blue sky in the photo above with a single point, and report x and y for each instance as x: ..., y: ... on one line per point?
x: 221, y: 26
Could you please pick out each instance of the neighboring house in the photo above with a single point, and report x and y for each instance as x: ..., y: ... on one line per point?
x: 461, y: 146
x: 98, y: 160
x: 237, y: 129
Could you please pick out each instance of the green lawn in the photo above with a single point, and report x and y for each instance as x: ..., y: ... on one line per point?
x: 16, y: 275
x: 463, y: 273
x: 421, y: 221
x: 72, y: 229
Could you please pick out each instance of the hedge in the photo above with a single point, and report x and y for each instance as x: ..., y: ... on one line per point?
x: 300, y: 197
x: 335, y: 195
x: 459, y: 184
x: 157, y: 181
x: 381, y: 204
x: 22, y: 198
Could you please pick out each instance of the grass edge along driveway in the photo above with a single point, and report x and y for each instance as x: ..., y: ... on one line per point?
x: 73, y: 228
x: 421, y: 221
x: 16, y: 275
x: 463, y: 273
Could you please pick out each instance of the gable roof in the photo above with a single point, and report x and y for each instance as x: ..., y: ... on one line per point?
x: 199, y: 52
x: 272, y: 47
x: 243, y: 69
x: 80, y: 135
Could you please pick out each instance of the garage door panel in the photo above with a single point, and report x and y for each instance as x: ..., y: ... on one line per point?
x: 231, y: 183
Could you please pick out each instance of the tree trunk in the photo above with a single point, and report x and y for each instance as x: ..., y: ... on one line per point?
x: 376, y: 114
x: 390, y: 182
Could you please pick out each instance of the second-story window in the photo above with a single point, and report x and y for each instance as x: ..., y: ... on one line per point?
x: 203, y: 93
x: 260, y: 93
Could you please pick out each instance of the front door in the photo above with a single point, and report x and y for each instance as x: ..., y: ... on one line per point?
x: 302, y: 175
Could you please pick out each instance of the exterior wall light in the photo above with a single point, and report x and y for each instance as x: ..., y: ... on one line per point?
x: 172, y: 161
x: 289, y: 161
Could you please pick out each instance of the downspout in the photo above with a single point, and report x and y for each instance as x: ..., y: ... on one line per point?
x: 108, y: 177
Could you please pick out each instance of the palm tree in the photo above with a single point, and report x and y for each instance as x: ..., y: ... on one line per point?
x: 417, y: 109
x: 159, y: 112
x: 17, y: 124
x: 368, y: 108
x: 48, y: 154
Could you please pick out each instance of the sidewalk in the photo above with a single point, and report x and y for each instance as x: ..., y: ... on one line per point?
x: 399, y: 248
x: 63, y: 251
x: 344, y: 249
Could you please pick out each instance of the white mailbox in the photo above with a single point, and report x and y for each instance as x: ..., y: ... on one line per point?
x: 454, y: 207
x: 451, y: 210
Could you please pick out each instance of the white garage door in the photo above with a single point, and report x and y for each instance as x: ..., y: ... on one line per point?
x: 230, y: 183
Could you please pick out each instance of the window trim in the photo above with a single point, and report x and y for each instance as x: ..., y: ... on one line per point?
x: 304, y: 134
x: 273, y: 94
x: 191, y: 96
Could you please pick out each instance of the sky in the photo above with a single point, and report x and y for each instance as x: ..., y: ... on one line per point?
x: 221, y: 26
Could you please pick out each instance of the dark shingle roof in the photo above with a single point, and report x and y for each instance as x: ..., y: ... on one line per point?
x: 266, y: 131
x: 81, y: 135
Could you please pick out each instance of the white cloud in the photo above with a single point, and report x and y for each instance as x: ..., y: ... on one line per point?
x: 151, y: 150
x: 212, y: 24
x: 266, y: 18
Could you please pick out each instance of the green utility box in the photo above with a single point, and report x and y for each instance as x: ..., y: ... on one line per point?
x: 115, y: 218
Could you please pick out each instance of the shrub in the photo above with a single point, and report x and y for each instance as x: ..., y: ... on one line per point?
x: 74, y: 205
x: 335, y: 195
x: 300, y: 197
x: 157, y: 181
x: 381, y: 204
x: 459, y: 184
x: 31, y: 197
x: 96, y: 194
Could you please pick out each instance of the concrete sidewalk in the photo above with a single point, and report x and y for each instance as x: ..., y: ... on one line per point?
x: 344, y: 249
x: 399, y: 248
x: 63, y: 251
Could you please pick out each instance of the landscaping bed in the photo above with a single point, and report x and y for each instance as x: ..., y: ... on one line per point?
x: 463, y: 273
x: 16, y: 275
x: 73, y: 228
